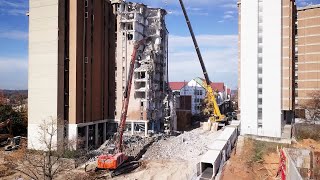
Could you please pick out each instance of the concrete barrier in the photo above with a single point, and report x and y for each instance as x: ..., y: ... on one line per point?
x: 218, y: 153
x: 210, y: 164
x: 228, y: 134
x: 223, y: 146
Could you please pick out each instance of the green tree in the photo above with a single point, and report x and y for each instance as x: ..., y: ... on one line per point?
x: 19, y: 126
x: 208, y: 106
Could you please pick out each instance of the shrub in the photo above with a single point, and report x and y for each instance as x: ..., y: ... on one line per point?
x: 306, y: 131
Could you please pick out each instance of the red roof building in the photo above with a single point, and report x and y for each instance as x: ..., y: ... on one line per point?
x: 176, y: 86
x: 217, y: 86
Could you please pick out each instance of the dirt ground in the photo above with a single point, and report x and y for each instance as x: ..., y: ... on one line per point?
x: 252, y: 161
x: 161, y: 170
x: 6, y: 167
x: 308, y: 144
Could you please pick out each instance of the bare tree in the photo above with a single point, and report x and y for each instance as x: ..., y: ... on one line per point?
x: 312, y: 106
x: 46, y: 164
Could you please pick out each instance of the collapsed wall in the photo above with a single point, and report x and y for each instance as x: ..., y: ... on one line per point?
x: 148, y: 103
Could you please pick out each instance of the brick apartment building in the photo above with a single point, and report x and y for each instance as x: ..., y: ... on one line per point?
x: 308, y: 54
x: 71, y: 70
x: 295, y: 44
x: 266, y: 75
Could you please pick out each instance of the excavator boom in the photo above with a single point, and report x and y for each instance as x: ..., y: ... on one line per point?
x: 210, y: 93
x: 113, y: 161
x: 125, y: 102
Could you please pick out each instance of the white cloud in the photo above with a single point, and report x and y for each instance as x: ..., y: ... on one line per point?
x: 204, y: 40
x: 14, y: 4
x: 17, y: 12
x: 219, y: 54
x: 192, y: 11
x: 230, y: 5
x: 12, y: 65
x: 227, y: 16
x: 13, y: 73
x: 16, y: 35
x: 14, y: 8
x: 230, y: 12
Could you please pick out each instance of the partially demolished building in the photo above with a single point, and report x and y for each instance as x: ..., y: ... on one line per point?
x: 149, y: 106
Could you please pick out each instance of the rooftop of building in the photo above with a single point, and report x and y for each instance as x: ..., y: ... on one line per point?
x: 216, y: 86
x: 309, y: 7
x: 138, y: 4
x: 177, y: 85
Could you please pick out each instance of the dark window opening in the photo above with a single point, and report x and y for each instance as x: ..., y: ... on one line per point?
x: 130, y: 37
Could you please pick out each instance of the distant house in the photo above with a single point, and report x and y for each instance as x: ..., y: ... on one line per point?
x: 176, y: 87
x: 195, y: 89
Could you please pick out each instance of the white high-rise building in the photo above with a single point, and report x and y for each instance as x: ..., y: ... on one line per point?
x: 264, y: 33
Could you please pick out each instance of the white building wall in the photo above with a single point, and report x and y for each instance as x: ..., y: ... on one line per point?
x: 43, y: 67
x: 189, y: 90
x: 272, y: 49
x: 249, y: 54
x: 271, y: 68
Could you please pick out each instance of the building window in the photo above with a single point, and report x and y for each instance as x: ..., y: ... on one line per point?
x: 130, y: 26
x: 260, y: 61
x: 198, y: 92
x: 130, y: 37
x: 259, y: 113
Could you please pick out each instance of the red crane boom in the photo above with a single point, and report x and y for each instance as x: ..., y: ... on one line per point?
x: 125, y: 102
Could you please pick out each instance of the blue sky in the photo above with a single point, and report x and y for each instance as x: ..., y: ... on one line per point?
x: 214, y: 22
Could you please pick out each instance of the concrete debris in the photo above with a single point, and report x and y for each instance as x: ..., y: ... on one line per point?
x: 187, y: 146
x: 133, y: 145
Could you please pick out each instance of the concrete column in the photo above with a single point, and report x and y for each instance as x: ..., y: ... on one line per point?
x: 87, y: 137
x: 96, y: 134
x: 146, y: 129
x: 73, y: 135
x: 104, y: 132
x: 132, y: 128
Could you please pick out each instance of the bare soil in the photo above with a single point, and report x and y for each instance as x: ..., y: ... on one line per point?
x: 255, y: 160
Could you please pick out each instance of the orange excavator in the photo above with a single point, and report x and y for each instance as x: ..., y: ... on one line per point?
x: 114, y: 160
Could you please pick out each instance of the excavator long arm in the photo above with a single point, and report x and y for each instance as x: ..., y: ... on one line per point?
x: 210, y: 93
x: 125, y: 102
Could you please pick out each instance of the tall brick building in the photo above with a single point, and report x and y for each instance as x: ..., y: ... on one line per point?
x: 71, y: 69
x: 308, y: 53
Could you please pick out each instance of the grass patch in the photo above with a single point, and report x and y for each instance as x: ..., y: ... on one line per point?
x: 258, y: 151
x: 261, y: 148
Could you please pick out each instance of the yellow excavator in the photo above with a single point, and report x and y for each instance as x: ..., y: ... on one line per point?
x: 216, y: 116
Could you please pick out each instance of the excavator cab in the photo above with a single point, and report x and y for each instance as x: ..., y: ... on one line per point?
x: 110, y: 161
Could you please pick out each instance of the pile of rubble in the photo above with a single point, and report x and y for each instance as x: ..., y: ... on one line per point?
x: 187, y: 146
x: 132, y: 145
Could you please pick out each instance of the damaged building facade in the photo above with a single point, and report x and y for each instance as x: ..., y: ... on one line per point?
x: 150, y: 99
